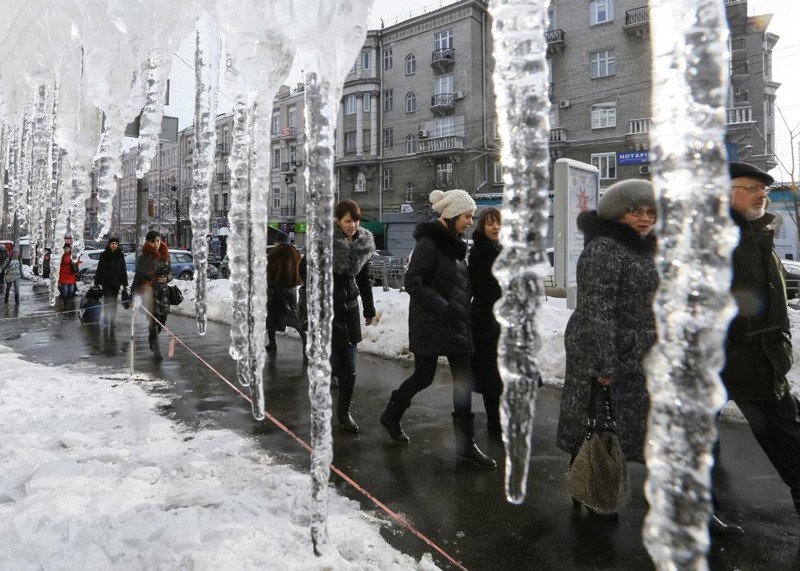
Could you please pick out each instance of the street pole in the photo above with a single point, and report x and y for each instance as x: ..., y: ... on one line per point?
x: 142, y: 199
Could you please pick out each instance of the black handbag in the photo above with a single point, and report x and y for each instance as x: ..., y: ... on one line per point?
x: 175, y: 295
x: 125, y: 298
x: 598, y: 476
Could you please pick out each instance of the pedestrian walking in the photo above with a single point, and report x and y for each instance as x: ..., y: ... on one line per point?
x: 353, y: 247
x: 4, y: 257
x: 437, y: 281
x: 283, y: 279
x: 153, y: 273
x: 11, y: 276
x: 485, y: 328
x: 111, y: 274
x: 67, y: 275
x: 46, y: 264
x: 758, y: 347
x: 613, y: 326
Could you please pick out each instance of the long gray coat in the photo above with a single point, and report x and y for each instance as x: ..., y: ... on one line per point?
x: 610, y: 332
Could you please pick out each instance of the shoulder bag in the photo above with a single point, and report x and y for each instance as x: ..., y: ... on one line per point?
x: 175, y: 295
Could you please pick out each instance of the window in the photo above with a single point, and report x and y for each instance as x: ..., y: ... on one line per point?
x: 603, y: 64
x: 606, y: 163
x: 443, y: 84
x: 349, y: 104
x: 411, y: 64
x: 411, y: 102
x: 604, y: 115
x: 216, y: 203
x: 276, y: 199
x: 601, y: 11
x: 498, y: 172
x: 349, y: 141
x: 276, y: 123
x: 551, y: 19
x: 387, y: 58
x: 443, y: 40
x: 409, y: 192
x: 411, y: 145
x: 292, y: 117
x: 388, y: 95
x: 444, y: 174
x: 388, y: 138
x: 365, y: 138
x: 225, y: 202
x: 291, y: 200
x: 386, y: 179
x: 366, y: 102
x: 444, y: 126
x: 276, y: 158
x: 496, y: 129
x: 292, y: 154
x: 365, y: 61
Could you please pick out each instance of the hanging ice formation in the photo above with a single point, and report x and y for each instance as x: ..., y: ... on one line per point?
x: 520, y: 79
x: 693, y: 307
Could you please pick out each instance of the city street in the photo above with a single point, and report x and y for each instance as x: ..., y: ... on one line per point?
x: 460, y: 509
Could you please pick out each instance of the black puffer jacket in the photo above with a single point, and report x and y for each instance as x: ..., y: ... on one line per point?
x: 351, y: 279
x: 759, y: 345
x: 438, y: 283
x: 151, y: 265
x: 485, y: 329
x: 111, y: 271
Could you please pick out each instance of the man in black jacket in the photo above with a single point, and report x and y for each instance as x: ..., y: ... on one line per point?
x: 758, y: 347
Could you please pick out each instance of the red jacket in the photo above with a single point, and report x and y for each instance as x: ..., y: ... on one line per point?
x: 65, y: 274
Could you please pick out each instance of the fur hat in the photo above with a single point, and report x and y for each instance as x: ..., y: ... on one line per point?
x: 748, y: 170
x: 452, y: 203
x: 113, y: 239
x: 624, y: 195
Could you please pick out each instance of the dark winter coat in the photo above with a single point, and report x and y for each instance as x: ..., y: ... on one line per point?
x: 351, y: 279
x: 283, y: 277
x: 758, y: 347
x: 150, y: 265
x: 610, y: 332
x: 485, y: 329
x: 66, y: 273
x: 111, y: 271
x: 438, y: 282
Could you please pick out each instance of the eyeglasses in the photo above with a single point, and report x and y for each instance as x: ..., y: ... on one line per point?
x: 752, y: 188
x: 639, y: 212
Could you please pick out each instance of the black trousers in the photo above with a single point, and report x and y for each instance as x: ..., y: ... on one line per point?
x: 422, y: 377
x: 776, y: 426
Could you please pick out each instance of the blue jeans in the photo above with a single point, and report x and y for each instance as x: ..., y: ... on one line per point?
x: 67, y: 290
x: 15, y: 285
x: 343, y: 361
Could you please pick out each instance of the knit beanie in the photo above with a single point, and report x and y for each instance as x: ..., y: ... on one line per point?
x: 624, y: 195
x: 452, y: 203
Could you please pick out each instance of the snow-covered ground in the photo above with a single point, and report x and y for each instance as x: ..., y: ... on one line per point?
x: 92, y: 477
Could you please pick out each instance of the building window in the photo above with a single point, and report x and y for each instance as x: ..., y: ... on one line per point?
x: 601, y: 11
x: 276, y: 158
x: 444, y: 174
x: 388, y: 138
x: 276, y: 123
x: 498, y: 172
x: 411, y: 145
x: 443, y: 40
x: 292, y: 155
x: 276, y: 200
x: 411, y: 102
x: 443, y: 84
x: 603, y: 64
x: 349, y: 141
x: 604, y: 115
x: 386, y: 179
x: 387, y: 58
x: 496, y: 129
x: 225, y: 203
x: 349, y: 104
x: 409, y: 192
x: 411, y: 64
x: 216, y: 204
x: 365, y: 138
x: 444, y: 126
x: 291, y: 200
x: 365, y: 61
x: 292, y: 118
x: 366, y: 102
x: 606, y: 163
x: 388, y: 95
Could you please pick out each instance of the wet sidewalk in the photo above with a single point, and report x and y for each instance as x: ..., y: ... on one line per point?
x: 461, y: 509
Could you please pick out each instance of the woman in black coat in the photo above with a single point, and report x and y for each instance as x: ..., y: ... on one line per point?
x: 485, y: 329
x: 283, y: 277
x: 153, y: 273
x: 438, y: 320
x: 111, y: 275
x: 352, y: 249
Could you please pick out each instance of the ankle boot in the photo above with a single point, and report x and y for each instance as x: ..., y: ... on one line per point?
x: 153, y: 338
x: 390, y: 419
x: 347, y: 384
x: 466, y: 449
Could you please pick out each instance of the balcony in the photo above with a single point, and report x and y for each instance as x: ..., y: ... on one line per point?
x: 638, y: 134
x: 555, y: 41
x: 223, y: 177
x: 289, y: 133
x: 558, y: 135
x: 739, y: 71
x: 440, y: 145
x: 442, y: 102
x: 739, y: 116
x: 288, y: 168
x: 288, y: 211
x: 443, y: 58
x: 739, y: 44
x: 637, y: 21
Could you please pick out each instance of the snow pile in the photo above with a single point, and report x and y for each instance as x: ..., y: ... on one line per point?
x: 93, y: 478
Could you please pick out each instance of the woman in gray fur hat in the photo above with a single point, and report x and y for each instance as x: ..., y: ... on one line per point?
x: 613, y: 326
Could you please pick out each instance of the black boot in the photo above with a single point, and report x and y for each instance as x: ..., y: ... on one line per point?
x: 153, y: 339
x: 390, y: 419
x: 271, y: 346
x: 492, y: 404
x: 796, y: 499
x: 466, y: 449
x: 347, y: 383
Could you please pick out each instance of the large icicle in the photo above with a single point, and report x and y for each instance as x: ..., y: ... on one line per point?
x: 206, y: 64
x: 520, y: 80
x: 150, y: 120
x: 693, y: 307
x: 40, y: 174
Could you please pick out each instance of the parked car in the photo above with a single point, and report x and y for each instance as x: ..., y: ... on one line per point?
x: 182, y: 263
x: 87, y: 261
x: 791, y: 273
x: 384, y: 257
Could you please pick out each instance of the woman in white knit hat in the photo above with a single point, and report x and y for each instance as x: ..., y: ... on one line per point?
x: 438, y: 321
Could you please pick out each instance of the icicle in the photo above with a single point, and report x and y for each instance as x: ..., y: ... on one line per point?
x: 693, y: 306
x: 23, y: 166
x: 13, y: 174
x: 153, y: 112
x: 207, y: 54
x: 42, y: 134
x: 520, y: 80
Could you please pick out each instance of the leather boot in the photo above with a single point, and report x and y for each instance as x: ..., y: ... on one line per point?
x: 466, y: 449
x: 153, y: 339
x: 347, y: 383
x: 492, y: 405
x: 720, y: 529
x: 390, y: 420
